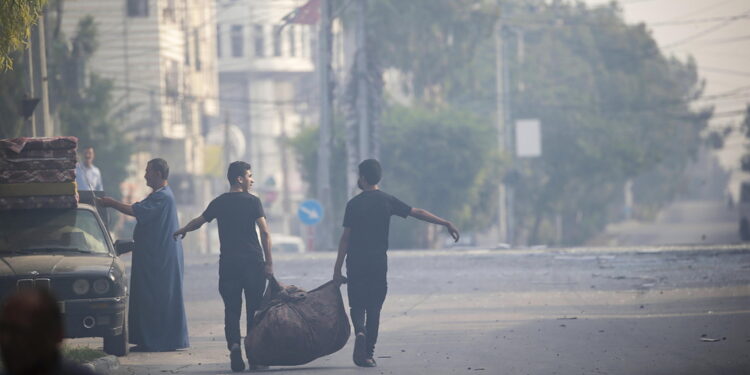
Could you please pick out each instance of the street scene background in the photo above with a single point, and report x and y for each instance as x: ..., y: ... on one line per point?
x: 593, y: 153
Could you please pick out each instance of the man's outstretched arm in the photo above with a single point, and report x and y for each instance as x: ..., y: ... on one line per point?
x: 343, y: 246
x: 125, y: 208
x: 189, y: 227
x: 429, y: 217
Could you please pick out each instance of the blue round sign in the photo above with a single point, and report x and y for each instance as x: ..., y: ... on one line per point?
x: 310, y: 212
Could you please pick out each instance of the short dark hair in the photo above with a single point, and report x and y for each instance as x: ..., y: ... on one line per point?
x: 39, y: 305
x: 372, y: 172
x: 160, y: 165
x: 237, y: 169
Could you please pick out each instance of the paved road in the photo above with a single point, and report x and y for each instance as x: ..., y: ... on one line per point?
x: 681, y: 222
x: 580, y: 311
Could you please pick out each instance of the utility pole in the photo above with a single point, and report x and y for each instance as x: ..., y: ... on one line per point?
x: 48, y: 126
x: 505, y: 134
x: 502, y: 217
x: 126, y: 66
x: 30, y: 65
x: 324, y: 144
x: 227, y: 155
x: 286, y: 203
x: 362, y: 83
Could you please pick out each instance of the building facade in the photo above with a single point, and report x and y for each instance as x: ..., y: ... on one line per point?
x: 161, y: 57
x: 268, y: 90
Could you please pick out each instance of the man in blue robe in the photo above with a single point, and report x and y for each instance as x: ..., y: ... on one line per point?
x: 156, y: 315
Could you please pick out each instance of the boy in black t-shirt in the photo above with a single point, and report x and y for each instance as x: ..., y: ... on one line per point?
x: 364, y: 244
x: 241, y: 264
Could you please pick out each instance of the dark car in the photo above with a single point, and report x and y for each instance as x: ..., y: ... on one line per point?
x: 71, y: 252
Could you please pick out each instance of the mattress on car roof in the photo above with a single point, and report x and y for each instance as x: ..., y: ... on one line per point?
x: 10, y: 176
x: 40, y: 201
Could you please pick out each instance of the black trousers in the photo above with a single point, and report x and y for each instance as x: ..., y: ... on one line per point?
x: 366, y: 290
x: 238, y: 277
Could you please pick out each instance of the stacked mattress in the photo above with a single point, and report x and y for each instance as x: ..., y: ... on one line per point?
x: 38, y: 173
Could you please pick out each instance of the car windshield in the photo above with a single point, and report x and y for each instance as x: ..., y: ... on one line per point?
x: 51, y: 231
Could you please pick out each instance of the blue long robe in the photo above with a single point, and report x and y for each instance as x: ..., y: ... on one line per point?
x: 157, y: 319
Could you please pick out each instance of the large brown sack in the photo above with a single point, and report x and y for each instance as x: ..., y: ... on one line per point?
x: 294, y: 327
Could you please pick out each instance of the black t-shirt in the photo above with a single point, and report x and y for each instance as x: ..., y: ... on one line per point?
x: 236, y: 213
x: 368, y: 215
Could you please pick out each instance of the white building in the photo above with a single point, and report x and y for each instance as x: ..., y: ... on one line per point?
x: 161, y: 56
x: 269, y: 91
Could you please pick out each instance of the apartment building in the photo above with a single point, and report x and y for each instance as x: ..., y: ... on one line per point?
x: 268, y: 90
x: 161, y: 57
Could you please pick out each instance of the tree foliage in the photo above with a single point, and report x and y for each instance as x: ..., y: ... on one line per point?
x: 12, y: 90
x: 613, y: 107
x: 444, y: 161
x: 81, y: 102
x: 16, y: 19
x: 84, y: 104
x: 429, y: 39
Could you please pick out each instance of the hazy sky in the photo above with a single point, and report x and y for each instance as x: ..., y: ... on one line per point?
x: 715, y: 32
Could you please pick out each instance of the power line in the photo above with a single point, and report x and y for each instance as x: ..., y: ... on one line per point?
x: 727, y: 40
x: 698, y: 20
x: 724, y: 71
x: 704, y: 32
x: 704, y: 9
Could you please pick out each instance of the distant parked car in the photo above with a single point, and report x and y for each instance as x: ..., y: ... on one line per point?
x: 743, y: 209
x: 70, y: 252
x: 287, y: 244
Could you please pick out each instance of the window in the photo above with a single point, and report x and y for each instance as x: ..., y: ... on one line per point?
x: 172, y: 78
x: 197, y: 49
x: 277, y: 41
x: 303, y: 42
x: 218, y: 40
x: 186, y: 43
x: 238, y: 42
x: 169, y: 11
x: 137, y: 8
x: 258, y: 40
x: 292, y: 41
x: 46, y: 231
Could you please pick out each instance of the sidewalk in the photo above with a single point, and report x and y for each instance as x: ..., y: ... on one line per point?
x: 682, y: 222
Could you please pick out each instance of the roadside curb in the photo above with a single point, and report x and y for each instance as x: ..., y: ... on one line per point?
x: 104, y: 365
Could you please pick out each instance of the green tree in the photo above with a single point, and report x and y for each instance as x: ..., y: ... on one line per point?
x: 16, y: 19
x: 613, y: 107
x: 84, y: 104
x: 12, y: 91
x: 444, y: 161
x: 429, y: 39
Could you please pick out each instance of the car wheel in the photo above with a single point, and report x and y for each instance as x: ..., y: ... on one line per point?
x: 744, y: 230
x: 118, y: 344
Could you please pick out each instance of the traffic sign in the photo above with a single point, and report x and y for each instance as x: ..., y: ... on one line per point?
x: 310, y: 212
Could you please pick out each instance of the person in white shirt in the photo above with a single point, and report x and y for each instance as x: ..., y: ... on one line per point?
x: 88, y: 176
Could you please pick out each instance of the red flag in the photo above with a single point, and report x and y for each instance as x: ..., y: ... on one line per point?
x: 308, y: 14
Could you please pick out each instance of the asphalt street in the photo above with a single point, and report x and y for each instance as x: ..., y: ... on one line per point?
x: 634, y: 310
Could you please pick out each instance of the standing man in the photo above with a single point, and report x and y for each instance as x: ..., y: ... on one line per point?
x: 242, y: 268
x: 364, y: 243
x: 157, y: 320
x: 88, y: 176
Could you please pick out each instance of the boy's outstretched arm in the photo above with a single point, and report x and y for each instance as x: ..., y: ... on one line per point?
x: 343, y: 246
x: 429, y: 217
x: 189, y: 227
